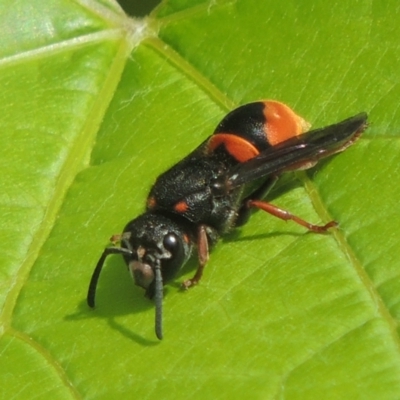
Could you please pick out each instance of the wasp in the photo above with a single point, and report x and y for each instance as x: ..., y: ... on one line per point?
x: 215, y: 188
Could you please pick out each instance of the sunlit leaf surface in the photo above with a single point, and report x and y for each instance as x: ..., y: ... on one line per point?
x: 96, y: 105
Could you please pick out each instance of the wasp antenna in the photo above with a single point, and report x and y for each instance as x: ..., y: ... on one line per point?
x: 95, y: 277
x: 158, y: 298
x: 96, y: 273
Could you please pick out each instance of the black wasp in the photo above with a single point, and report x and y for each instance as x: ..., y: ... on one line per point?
x: 214, y: 188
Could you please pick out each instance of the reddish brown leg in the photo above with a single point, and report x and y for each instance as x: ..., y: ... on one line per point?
x: 119, y: 237
x: 286, y: 215
x: 202, y: 249
x: 114, y: 239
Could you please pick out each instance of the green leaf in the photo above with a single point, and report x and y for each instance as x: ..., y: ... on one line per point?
x: 96, y: 105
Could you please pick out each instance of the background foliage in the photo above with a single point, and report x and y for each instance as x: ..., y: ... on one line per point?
x: 95, y: 105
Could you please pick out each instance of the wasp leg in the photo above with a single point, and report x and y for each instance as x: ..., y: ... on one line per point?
x: 203, y: 254
x: 286, y: 215
x: 244, y: 212
x: 121, y: 237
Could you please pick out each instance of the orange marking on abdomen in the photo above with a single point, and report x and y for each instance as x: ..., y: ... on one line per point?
x: 240, y: 149
x: 282, y: 122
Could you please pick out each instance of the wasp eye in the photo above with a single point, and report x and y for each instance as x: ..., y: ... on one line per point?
x: 171, y: 242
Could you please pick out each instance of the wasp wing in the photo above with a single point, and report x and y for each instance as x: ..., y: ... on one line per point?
x: 299, y: 152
